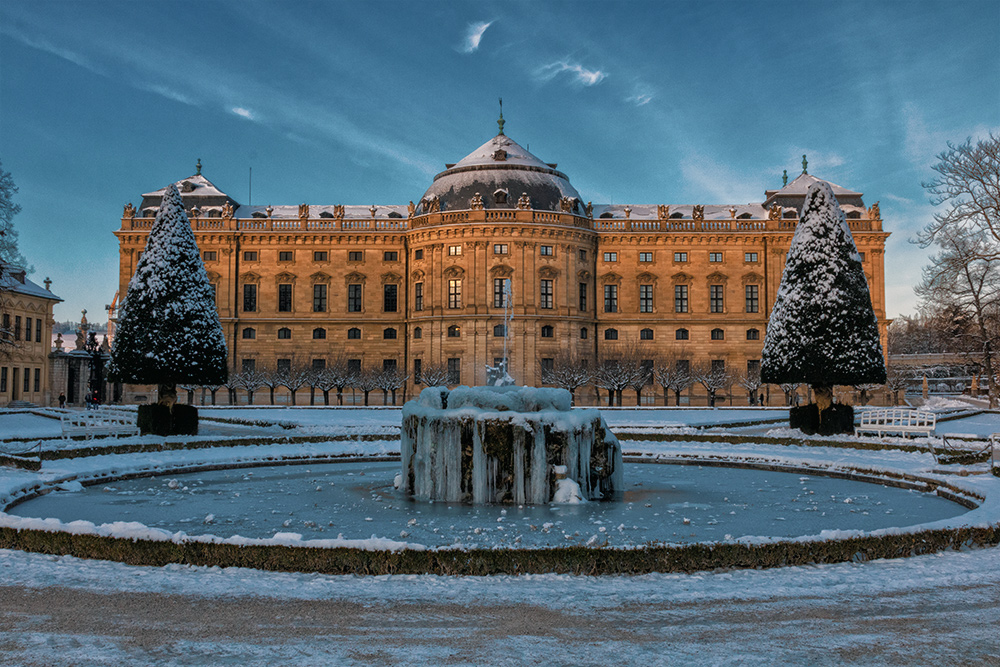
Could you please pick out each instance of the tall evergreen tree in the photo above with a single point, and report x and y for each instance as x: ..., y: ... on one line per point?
x: 822, y: 330
x: 168, y: 330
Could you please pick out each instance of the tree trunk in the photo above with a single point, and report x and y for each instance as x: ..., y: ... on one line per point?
x: 611, y: 398
x: 292, y: 392
x: 271, y: 392
x: 326, y: 397
x: 677, y: 398
x: 167, y: 394
x: 340, y: 395
x: 367, y: 391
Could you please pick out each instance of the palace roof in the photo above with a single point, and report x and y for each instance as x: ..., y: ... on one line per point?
x: 15, y: 279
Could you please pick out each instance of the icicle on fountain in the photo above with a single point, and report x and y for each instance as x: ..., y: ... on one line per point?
x: 506, y: 444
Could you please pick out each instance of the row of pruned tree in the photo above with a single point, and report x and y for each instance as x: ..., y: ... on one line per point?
x: 336, y: 375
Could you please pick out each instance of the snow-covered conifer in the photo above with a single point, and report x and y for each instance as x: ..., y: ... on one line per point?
x: 168, y: 329
x: 822, y: 330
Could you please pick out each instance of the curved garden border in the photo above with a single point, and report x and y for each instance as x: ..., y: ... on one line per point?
x: 579, y: 560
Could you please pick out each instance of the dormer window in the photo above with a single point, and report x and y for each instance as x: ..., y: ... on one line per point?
x: 791, y: 214
x: 325, y: 214
x: 676, y: 215
x: 853, y: 215
x: 605, y: 215
x: 500, y: 197
x: 187, y: 186
x: 394, y: 214
x: 259, y: 214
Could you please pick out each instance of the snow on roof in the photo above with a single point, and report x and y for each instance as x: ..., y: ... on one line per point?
x: 198, y: 186
x: 516, y: 154
x: 800, y: 186
x: 351, y: 211
x: 650, y: 211
x: 14, y: 279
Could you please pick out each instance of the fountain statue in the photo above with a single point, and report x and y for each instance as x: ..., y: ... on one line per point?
x: 506, y: 444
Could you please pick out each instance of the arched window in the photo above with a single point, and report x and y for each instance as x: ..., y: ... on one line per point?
x: 606, y: 215
x: 547, y: 331
x: 319, y: 333
x: 454, y: 331
x: 611, y: 334
x: 284, y: 333
x: 681, y: 334
x: 744, y: 216
x: 676, y: 216
x: 249, y: 333
x: 418, y: 332
x: 646, y: 334
x: 500, y: 331
x: 389, y: 334
x: 583, y: 333
x: 753, y: 334
x: 718, y: 334
x: 354, y: 333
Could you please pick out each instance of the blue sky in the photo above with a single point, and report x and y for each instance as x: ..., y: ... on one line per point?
x: 359, y: 103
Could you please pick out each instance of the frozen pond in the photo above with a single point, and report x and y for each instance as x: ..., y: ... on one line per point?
x: 665, y: 503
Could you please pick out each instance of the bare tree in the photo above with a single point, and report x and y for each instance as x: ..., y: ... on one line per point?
x: 713, y: 376
x: 251, y: 379
x: 750, y: 380
x: 968, y: 187
x: 367, y: 380
x: 568, y: 372
x: 897, y: 378
x: 212, y: 389
x: 791, y: 390
x: 434, y: 375
x: 390, y: 380
x: 272, y: 378
x: 674, y: 375
x: 965, y: 278
x: 296, y: 376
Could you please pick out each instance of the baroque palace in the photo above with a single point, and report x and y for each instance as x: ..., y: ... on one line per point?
x: 420, y: 285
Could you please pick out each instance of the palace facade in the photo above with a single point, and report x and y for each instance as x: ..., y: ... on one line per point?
x: 26, y: 329
x: 413, y: 286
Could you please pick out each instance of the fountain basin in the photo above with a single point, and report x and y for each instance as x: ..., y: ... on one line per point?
x: 518, y: 445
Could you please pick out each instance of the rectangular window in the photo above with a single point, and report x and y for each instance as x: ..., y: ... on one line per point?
x: 6, y: 322
x: 210, y: 255
x: 611, y: 298
x: 389, y: 298
x: 455, y: 293
x: 715, y: 298
x: 17, y: 327
x: 454, y: 371
x: 718, y: 365
x: 715, y: 256
x: 249, y: 298
x: 750, y: 257
x: 354, y: 298
x: 454, y: 250
x: 38, y: 328
x: 27, y: 329
x: 321, y: 256
x: 390, y: 256
x: 499, y: 248
x: 249, y: 365
x: 499, y: 300
x: 388, y: 365
x: 645, y: 257
x: 583, y: 255
x: 718, y: 334
x: 418, y: 296
x: 547, y: 364
x: 250, y: 256
x: 417, y: 367
x: 418, y: 254
x: 861, y: 255
x: 683, y: 366
x: 546, y: 294
x: 319, y: 298
x: 27, y: 380
x: 284, y: 298
x: 319, y: 364
x: 3, y: 379
x: 285, y: 256
x: 680, y: 298
x: 583, y: 296
x: 284, y: 366
x: 353, y: 366
x: 545, y: 250
x: 680, y: 257
x: 355, y: 256
x: 645, y: 298
x: 753, y: 299
x: 753, y: 367
x: 610, y: 257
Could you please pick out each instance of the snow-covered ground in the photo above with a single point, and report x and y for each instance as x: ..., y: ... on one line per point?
x: 936, y: 609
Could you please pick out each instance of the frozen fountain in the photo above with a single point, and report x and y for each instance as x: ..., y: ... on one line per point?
x: 506, y: 444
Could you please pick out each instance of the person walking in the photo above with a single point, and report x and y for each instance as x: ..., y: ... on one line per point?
x: 88, y: 400
x: 62, y: 399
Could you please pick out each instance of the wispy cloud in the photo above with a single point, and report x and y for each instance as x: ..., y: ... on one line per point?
x: 641, y: 95
x: 240, y: 111
x: 473, y: 36
x: 580, y: 74
x: 719, y: 184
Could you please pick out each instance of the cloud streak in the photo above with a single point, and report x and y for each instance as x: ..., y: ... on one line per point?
x: 245, y: 113
x: 474, y: 35
x: 580, y: 75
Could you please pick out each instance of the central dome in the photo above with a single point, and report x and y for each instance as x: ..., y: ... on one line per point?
x: 501, y: 171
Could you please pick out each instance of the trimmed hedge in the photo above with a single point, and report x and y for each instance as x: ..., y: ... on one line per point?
x: 767, y: 440
x: 20, y: 462
x: 159, y: 419
x: 838, y: 418
x: 577, y: 560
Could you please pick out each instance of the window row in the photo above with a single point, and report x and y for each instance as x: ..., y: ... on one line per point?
x: 319, y: 333
x: 289, y: 256
x: 10, y: 378
x: 30, y: 325
x: 647, y: 256
x: 679, y: 334
x: 390, y: 298
x: 716, y: 298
